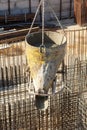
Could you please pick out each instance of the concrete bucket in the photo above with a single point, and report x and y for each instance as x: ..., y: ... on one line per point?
x: 44, y: 61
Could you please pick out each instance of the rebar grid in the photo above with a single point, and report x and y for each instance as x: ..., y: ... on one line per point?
x: 67, y: 110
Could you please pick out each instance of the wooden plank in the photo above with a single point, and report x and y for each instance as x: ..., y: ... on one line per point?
x: 17, y: 18
x: 80, y: 12
x: 60, y: 9
x: 16, y: 33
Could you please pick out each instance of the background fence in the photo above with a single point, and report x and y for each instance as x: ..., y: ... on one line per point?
x: 76, y: 45
x: 63, y: 8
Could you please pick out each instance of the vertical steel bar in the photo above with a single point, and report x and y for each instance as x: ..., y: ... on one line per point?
x: 47, y: 125
x: 10, y: 117
x: 60, y: 9
x: 9, y: 11
x: 14, y: 116
x: 30, y: 6
x: 24, y: 114
x: 5, y: 116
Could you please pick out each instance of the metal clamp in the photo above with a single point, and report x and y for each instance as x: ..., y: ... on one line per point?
x: 42, y: 48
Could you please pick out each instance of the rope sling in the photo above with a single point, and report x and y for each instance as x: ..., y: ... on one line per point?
x: 42, y: 2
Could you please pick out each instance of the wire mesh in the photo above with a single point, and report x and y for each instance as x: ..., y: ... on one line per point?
x: 67, y: 110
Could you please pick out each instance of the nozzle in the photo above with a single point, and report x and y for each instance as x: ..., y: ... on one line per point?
x: 41, y: 102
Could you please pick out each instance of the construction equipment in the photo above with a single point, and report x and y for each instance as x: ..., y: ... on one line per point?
x: 45, y: 51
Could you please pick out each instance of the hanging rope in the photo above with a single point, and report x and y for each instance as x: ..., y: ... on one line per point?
x: 42, y: 46
x: 56, y: 16
x: 35, y: 17
x: 49, y: 4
